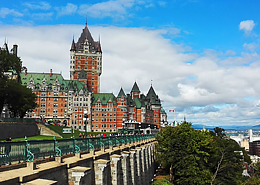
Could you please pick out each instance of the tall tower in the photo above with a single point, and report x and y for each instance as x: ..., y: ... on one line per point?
x: 86, y: 60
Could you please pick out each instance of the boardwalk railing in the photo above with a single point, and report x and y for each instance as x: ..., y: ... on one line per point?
x: 22, y: 151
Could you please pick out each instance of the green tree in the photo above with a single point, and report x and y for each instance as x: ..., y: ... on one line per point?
x: 185, y: 152
x: 255, y: 179
x: 227, y: 159
x: 17, y: 97
x: 199, y: 157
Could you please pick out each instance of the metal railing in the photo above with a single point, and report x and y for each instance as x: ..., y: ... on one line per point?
x: 22, y: 151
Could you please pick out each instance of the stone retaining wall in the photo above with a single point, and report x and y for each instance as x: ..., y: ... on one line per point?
x: 17, y: 130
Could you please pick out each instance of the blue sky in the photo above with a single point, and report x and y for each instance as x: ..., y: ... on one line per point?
x: 202, y: 55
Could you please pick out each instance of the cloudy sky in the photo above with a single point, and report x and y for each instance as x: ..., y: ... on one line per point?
x: 201, y: 56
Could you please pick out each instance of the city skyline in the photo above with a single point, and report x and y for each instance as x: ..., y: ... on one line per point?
x: 202, y: 57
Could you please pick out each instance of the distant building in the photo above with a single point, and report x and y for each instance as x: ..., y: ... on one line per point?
x: 254, y: 148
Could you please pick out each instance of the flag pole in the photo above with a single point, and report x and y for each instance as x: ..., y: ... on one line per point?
x: 174, y: 118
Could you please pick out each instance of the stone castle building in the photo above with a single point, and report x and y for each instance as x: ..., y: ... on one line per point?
x: 78, y: 102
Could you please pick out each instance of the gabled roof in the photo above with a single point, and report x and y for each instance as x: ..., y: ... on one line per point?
x: 121, y: 93
x: 104, y: 98
x: 135, y: 88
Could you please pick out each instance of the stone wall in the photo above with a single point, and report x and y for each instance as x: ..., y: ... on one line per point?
x: 17, y: 130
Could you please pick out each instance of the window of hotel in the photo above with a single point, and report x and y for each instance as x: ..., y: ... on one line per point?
x: 42, y: 104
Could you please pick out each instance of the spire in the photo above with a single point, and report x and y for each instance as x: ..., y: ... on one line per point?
x: 151, y: 92
x: 99, y: 45
x: 121, y: 93
x: 73, y: 45
x: 135, y: 88
x: 86, y: 20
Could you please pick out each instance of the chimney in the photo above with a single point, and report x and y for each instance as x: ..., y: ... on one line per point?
x: 25, y: 73
x: 15, y: 48
x: 51, y: 72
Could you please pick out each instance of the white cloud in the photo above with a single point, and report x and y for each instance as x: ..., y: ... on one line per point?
x: 6, y: 11
x: 149, y: 5
x: 141, y: 55
x: 42, y: 16
x: 251, y: 46
x: 162, y: 3
x: 37, y: 5
x: 247, y: 26
x: 67, y: 10
x: 107, y: 9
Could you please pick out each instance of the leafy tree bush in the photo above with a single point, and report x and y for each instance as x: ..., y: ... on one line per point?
x: 18, y: 97
x: 199, y: 157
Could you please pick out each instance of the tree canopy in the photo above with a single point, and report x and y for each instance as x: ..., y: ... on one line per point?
x: 17, y: 97
x: 199, y: 157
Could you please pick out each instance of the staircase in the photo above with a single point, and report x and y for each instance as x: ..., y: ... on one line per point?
x: 45, y: 131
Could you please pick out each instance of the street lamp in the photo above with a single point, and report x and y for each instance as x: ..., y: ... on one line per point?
x: 85, y: 119
x: 139, y: 127
x: 123, y: 124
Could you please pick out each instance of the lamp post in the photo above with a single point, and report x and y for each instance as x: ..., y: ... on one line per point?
x: 123, y: 124
x: 139, y: 127
x: 85, y: 119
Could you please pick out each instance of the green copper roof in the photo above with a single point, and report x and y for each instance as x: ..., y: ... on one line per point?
x: 135, y: 88
x: 50, y: 80
x: 121, y: 93
x: 137, y: 103
x: 104, y: 98
x: 162, y: 111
